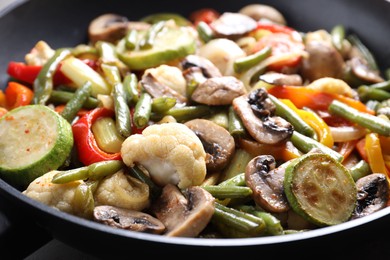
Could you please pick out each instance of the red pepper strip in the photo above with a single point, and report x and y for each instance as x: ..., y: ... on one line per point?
x: 360, y: 147
x: 87, y: 147
x: 17, y: 95
x: 28, y: 73
x: 275, y: 28
x: 207, y: 15
x: 346, y: 148
x: 314, y: 99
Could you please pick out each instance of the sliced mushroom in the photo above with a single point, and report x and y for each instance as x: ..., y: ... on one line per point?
x: 208, y: 69
x: 259, y: 120
x: 323, y: 61
x: 233, y: 25
x: 156, y: 89
x: 218, y: 91
x: 266, y: 183
x: 107, y: 27
x: 360, y: 69
x: 127, y: 219
x: 184, y: 214
x: 373, y: 194
x: 217, y: 141
x: 276, y: 78
x: 261, y: 11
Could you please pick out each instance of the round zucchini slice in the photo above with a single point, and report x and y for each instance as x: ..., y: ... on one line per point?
x: 320, y: 189
x: 34, y: 140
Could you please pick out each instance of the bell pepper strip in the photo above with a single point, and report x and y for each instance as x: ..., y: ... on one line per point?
x: 322, y: 130
x: 17, y: 95
x: 28, y: 73
x: 374, y: 155
x: 360, y: 147
x: 85, y: 142
x: 80, y: 113
x: 314, y: 99
x: 346, y: 148
x: 3, y: 99
x: 206, y: 15
x: 385, y: 144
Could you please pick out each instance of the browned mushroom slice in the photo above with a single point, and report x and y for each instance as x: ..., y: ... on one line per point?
x: 127, y: 219
x: 233, y: 25
x: 323, y: 61
x: 259, y: 121
x: 217, y: 142
x: 107, y: 27
x: 276, y: 78
x: 360, y: 69
x: 266, y: 183
x: 184, y: 214
x: 218, y: 91
x: 208, y: 69
x: 373, y: 194
x: 156, y: 89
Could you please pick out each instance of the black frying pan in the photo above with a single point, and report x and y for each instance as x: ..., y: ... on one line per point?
x: 64, y: 23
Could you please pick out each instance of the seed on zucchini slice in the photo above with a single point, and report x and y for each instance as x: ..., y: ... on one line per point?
x: 320, y: 189
x: 34, y: 140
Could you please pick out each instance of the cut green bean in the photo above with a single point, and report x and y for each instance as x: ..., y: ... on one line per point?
x: 220, y: 118
x: 359, y: 170
x: 43, y: 84
x: 62, y: 97
x: 131, y: 39
x: 76, y: 102
x: 306, y: 144
x: 70, y: 175
x: 99, y: 170
x: 228, y: 191
x: 163, y: 104
x: 236, y: 128
x: 237, y: 164
x: 148, y: 41
x: 369, y: 93
x: 238, y: 180
x: 245, y: 63
x: 130, y: 83
x: 83, y: 201
x: 122, y: 111
x: 287, y: 113
x: 143, y: 110
x: 111, y: 73
x: 338, y: 36
x: 205, y: 32
x: 355, y: 41
x: 106, y: 135
x: 182, y: 114
x: 371, y: 122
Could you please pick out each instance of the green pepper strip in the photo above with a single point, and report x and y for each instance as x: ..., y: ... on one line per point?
x: 76, y: 102
x: 43, y: 84
x: 371, y: 122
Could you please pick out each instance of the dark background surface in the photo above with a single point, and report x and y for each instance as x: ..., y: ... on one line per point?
x: 28, y: 226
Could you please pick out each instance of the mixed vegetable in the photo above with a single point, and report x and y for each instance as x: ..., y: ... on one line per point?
x: 227, y: 124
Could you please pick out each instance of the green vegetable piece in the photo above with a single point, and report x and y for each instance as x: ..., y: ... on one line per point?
x: 83, y: 201
x: 143, y: 110
x: 228, y: 191
x: 122, y: 110
x: 76, y: 174
x: 76, y: 102
x: 61, y: 97
x: 245, y: 63
x: 320, y: 189
x: 163, y: 104
x: 157, y: 17
x: 338, y: 36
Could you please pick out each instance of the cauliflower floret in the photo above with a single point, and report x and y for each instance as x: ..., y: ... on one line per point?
x: 40, y: 54
x: 59, y: 196
x: 171, y: 152
x: 123, y: 191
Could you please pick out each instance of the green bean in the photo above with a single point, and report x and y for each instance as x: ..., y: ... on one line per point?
x: 61, y: 97
x: 205, y: 32
x: 122, y: 111
x: 131, y: 39
x: 148, y: 41
x: 99, y: 170
x: 163, y: 104
x: 306, y: 144
x: 273, y: 225
x: 369, y: 93
x: 43, y: 84
x: 359, y: 170
x: 338, y: 36
x: 354, y: 39
x: 76, y: 102
x: 155, y: 191
x: 384, y: 85
x: 83, y: 201
x: 237, y: 164
x: 143, y: 109
x: 236, y: 127
x: 238, y: 180
x: 70, y: 175
x: 290, y: 115
x: 228, y: 191
x: 186, y: 113
x: 371, y: 122
x: 111, y: 73
x: 130, y: 83
x: 220, y: 118
x: 245, y: 63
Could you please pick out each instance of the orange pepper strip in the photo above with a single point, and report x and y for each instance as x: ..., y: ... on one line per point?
x: 385, y: 144
x: 360, y: 147
x: 3, y: 99
x: 374, y: 154
x: 346, y: 148
x: 18, y: 95
x: 317, y: 123
x: 3, y: 111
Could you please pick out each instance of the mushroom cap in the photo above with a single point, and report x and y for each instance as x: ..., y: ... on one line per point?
x: 108, y: 27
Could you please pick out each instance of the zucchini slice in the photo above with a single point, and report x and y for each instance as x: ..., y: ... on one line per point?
x: 170, y: 44
x: 34, y: 140
x: 320, y: 189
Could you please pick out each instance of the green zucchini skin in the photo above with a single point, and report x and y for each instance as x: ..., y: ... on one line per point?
x: 320, y: 189
x: 28, y: 128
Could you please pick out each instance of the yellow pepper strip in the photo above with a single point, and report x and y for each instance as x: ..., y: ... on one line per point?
x: 316, y: 122
x: 374, y: 154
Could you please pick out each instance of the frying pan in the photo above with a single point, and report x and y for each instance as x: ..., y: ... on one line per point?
x: 63, y: 23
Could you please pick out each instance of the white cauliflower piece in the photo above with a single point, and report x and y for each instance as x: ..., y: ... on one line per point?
x: 171, y: 152
x: 40, y: 54
x: 123, y: 191
x: 169, y: 76
x: 59, y: 196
